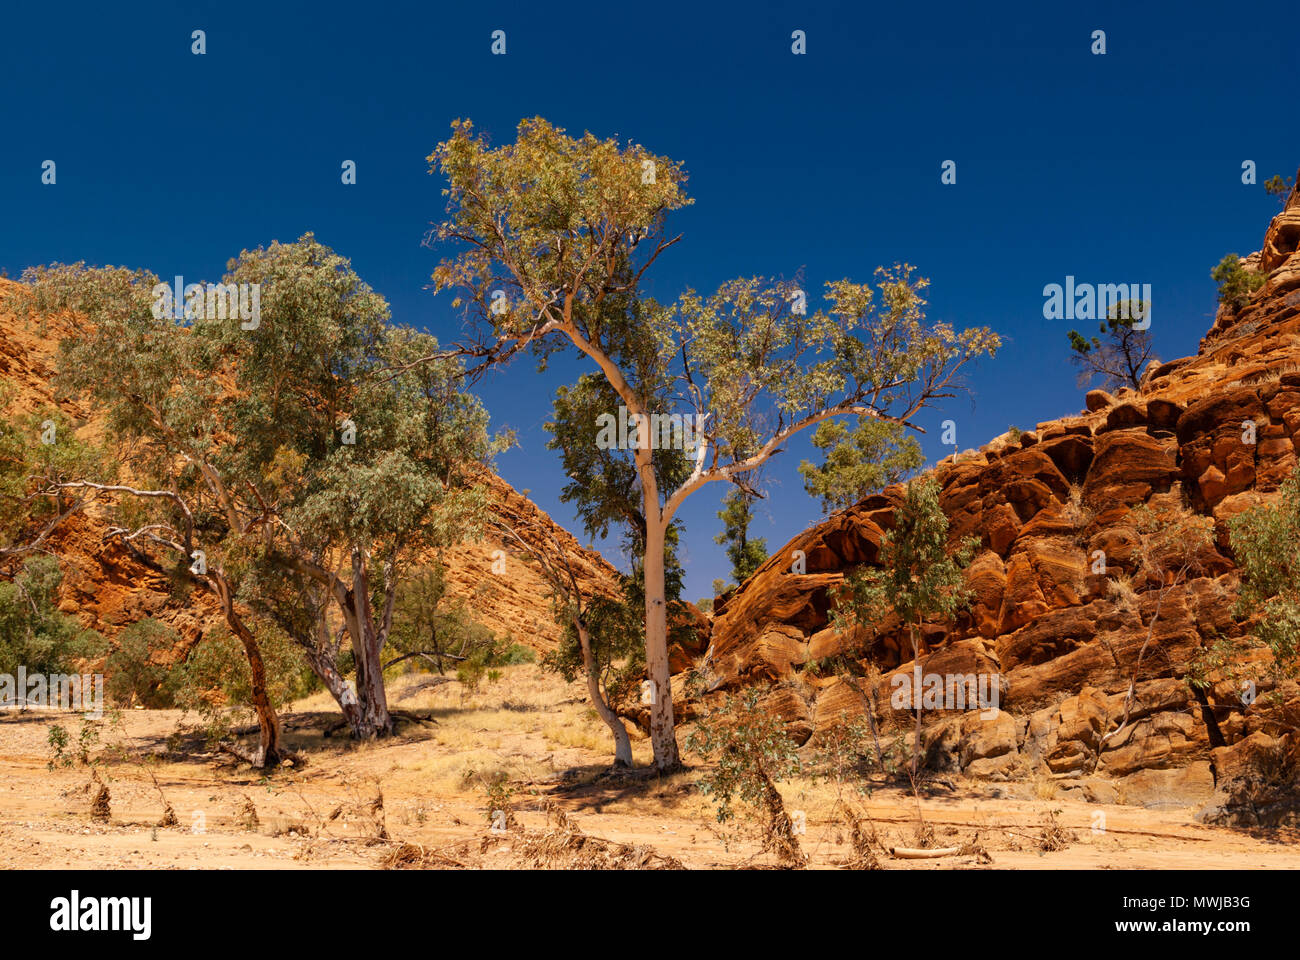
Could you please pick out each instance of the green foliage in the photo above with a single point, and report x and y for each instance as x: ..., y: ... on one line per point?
x: 567, y: 228
x: 58, y: 744
x: 822, y: 667
x: 918, y: 578
x: 616, y: 632
x: 499, y: 812
x: 1266, y: 546
x: 471, y: 673
x: 1236, y: 283
x: 29, y: 466
x: 746, y: 555
x: 1217, y: 660
x: 33, y: 632
x: 751, y: 748
x: 514, y: 654
x: 768, y: 369
x: 1121, y: 353
x: 846, y: 755
x: 603, y: 481
x: 1278, y: 187
x: 215, y: 680
x: 62, y: 751
x: 443, y: 631
x: 859, y: 462
x: 133, y: 672
x: 550, y: 239
x: 616, y: 624
x: 434, y: 632
x: 486, y: 659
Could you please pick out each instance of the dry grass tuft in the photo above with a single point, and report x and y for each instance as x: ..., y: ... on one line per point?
x: 1053, y: 836
x: 99, y: 807
x: 566, y: 847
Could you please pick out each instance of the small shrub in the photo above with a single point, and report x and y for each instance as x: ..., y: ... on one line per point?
x: 1279, y: 187
x: 1236, y: 283
x: 33, y: 632
x: 100, y: 809
x: 500, y: 811
x: 133, y: 671
x: 516, y: 653
x: 62, y: 752
x: 753, y: 752
x: 216, y: 682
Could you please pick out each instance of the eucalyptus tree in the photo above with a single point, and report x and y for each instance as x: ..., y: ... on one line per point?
x: 291, y: 461
x: 550, y: 240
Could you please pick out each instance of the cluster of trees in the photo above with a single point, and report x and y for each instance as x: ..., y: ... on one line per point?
x: 33, y: 632
x: 299, y: 470
x: 296, y: 469
x: 919, y: 579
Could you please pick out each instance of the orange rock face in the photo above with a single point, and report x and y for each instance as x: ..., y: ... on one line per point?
x: 1208, y: 435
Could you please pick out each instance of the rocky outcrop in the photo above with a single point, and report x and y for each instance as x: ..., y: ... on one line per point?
x: 1208, y: 435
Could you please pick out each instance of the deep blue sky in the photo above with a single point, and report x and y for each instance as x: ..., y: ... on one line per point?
x: 1117, y: 168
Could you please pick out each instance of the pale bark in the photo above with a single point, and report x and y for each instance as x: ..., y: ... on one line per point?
x: 662, y: 736
x: 270, y: 750
x: 368, y: 644
x: 914, y: 853
x: 657, y: 517
x: 622, y: 744
x: 367, y: 714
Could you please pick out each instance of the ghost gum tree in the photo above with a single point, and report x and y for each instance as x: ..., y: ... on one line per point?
x: 551, y: 239
x: 299, y: 459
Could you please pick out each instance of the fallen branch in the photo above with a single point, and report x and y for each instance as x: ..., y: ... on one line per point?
x: 913, y: 853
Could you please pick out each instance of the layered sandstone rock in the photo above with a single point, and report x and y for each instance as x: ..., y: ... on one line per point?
x: 1211, y: 435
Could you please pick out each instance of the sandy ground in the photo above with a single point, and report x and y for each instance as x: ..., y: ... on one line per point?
x: 536, y: 731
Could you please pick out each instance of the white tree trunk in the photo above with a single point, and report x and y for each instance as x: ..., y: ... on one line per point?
x: 662, y: 737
